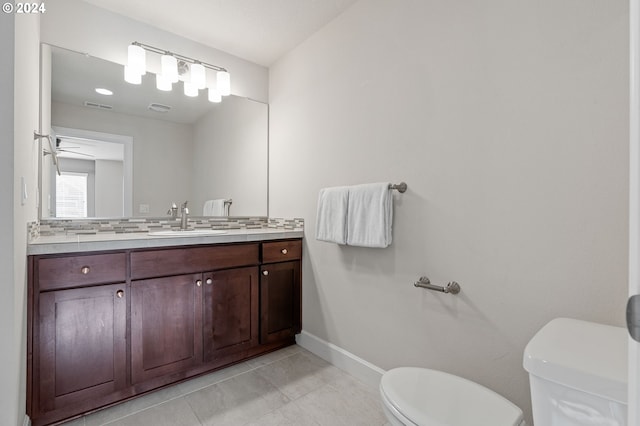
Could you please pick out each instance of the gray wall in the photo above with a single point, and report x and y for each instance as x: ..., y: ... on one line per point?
x: 18, y: 119
x: 508, y: 120
x: 9, y: 363
x: 229, y: 156
x: 109, y: 184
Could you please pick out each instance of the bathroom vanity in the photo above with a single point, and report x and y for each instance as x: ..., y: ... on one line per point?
x: 111, y: 320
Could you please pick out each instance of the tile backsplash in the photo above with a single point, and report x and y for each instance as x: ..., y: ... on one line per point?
x: 53, y: 227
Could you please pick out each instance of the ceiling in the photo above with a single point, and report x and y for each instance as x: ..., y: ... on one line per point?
x: 260, y: 31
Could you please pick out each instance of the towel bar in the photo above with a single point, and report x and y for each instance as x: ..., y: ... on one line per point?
x: 452, y: 287
x: 401, y: 187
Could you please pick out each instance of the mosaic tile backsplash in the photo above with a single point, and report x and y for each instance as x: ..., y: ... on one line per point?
x: 130, y: 225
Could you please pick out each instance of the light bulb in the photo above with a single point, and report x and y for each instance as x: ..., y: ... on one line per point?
x: 130, y: 76
x: 136, y: 60
x: 169, y: 68
x: 163, y: 83
x: 224, y: 83
x: 214, y: 95
x: 190, y: 89
x: 198, y: 75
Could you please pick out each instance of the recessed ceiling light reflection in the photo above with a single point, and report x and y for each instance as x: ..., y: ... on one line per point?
x: 103, y: 91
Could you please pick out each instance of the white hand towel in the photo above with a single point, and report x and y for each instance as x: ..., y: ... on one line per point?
x: 214, y: 207
x: 331, y: 223
x: 369, y: 217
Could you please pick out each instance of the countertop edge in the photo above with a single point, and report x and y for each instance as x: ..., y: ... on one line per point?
x: 90, y: 243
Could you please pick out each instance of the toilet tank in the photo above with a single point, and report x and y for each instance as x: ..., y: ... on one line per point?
x: 578, y: 374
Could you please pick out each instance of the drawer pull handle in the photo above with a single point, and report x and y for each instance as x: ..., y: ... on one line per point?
x: 120, y: 294
x: 284, y: 251
x: 85, y: 270
x: 265, y: 273
x: 199, y: 283
x: 209, y: 281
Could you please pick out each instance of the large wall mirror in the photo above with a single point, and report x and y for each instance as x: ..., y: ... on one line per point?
x: 138, y: 150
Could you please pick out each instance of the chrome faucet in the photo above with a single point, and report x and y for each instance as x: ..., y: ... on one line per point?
x: 184, y: 219
x: 173, y: 211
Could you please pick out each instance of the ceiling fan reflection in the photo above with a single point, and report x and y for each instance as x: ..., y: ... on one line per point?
x: 69, y: 149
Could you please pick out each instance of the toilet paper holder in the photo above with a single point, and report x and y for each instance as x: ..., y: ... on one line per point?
x: 451, y: 287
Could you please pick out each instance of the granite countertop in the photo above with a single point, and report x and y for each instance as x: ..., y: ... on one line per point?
x: 110, y: 241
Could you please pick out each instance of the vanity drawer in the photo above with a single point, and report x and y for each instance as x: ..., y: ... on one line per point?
x: 158, y: 263
x: 78, y: 270
x: 280, y: 251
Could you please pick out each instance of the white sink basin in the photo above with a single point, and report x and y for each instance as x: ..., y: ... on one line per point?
x: 186, y: 233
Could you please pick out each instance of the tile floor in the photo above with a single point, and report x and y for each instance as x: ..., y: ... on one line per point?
x: 287, y: 387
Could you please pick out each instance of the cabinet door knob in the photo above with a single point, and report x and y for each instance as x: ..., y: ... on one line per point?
x: 120, y: 294
x: 199, y: 283
x: 265, y: 272
x: 209, y: 281
x: 85, y: 270
x: 284, y: 251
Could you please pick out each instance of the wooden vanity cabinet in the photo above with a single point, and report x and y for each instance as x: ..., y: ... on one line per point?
x: 82, y: 345
x: 166, y: 324
x: 107, y: 327
x: 180, y: 321
x: 230, y: 322
x: 280, y: 290
x: 82, y: 270
x: 77, y: 345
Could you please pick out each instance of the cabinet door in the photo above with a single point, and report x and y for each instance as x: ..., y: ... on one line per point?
x: 230, y: 311
x: 82, y: 344
x: 280, y: 301
x: 166, y: 325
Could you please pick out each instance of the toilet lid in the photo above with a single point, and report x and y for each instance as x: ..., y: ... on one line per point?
x: 434, y: 398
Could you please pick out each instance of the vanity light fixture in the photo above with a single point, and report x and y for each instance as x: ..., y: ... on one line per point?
x: 214, y: 95
x: 198, y: 75
x: 169, y: 67
x: 131, y: 76
x: 224, y: 83
x: 176, y: 67
x: 190, y: 89
x: 136, y: 60
x: 163, y: 83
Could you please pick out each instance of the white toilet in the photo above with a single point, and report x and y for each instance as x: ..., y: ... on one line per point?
x: 421, y: 397
x: 578, y: 374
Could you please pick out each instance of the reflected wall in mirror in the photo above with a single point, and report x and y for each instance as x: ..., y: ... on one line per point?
x: 193, y: 150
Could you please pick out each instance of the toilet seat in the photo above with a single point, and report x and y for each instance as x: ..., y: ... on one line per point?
x: 424, y: 397
x: 392, y: 412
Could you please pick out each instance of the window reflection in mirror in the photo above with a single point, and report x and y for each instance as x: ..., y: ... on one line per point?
x: 71, y: 194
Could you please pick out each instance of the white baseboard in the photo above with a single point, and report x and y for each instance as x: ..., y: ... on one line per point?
x: 344, y: 360
x: 26, y: 421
